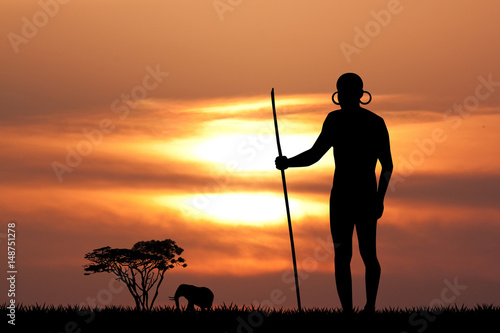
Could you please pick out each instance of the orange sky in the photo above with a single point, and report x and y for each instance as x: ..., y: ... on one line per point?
x: 152, y: 120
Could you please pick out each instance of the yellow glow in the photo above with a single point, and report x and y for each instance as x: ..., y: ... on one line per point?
x: 247, y: 104
x: 252, y: 209
x: 247, y: 208
x: 256, y: 209
x: 249, y: 152
x: 240, y: 266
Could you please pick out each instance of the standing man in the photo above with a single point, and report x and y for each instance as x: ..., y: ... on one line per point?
x: 359, y: 138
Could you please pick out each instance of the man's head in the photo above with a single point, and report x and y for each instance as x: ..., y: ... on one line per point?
x: 350, y: 89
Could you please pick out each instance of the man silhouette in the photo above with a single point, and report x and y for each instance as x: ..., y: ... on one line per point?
x: 359, y: 138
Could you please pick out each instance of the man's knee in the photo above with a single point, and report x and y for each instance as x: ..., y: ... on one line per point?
x: 370, y: 261
x: 343, y: 255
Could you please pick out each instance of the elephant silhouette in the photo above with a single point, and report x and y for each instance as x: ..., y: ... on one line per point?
x: 200, y: 296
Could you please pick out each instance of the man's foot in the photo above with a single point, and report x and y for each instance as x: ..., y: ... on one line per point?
x: 347, y: 313
x: 367, y: 311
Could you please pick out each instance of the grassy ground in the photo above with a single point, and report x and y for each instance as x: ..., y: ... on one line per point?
x: 233, y: 319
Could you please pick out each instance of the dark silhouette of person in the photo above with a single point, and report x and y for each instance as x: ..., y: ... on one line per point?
x: 359, y: 138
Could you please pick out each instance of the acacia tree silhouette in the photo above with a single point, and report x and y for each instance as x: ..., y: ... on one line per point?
x: 141, y: 268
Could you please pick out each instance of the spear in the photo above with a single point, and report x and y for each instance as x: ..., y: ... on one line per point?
x: 286, y: 203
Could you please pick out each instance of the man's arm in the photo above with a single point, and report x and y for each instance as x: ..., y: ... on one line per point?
x: 308, y: 157
x: 385, y: 159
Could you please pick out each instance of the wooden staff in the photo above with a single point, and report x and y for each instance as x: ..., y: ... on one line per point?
x: 286, y: 204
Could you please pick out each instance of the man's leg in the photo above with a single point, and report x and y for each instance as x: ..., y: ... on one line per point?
x: 342, y: 241
x: 367, y: 232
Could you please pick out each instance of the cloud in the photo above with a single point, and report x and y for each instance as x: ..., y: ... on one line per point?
x: 461, y: 190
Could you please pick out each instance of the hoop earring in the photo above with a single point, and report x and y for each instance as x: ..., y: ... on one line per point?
x: 333, y: 98
x: 368, y: 100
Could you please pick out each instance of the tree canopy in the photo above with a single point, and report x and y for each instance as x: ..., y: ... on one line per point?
x: 141, y: 268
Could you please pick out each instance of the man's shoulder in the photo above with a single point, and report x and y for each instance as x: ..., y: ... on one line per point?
x: 335, y: 114
x: 372, y: 114
x: 333, y: 118
x: 338, y: 114
x: 375, y: 119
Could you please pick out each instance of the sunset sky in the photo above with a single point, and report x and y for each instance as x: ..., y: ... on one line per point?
x: 124, y: 121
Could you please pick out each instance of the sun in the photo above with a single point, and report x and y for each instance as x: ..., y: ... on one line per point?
x: 249, y: 209
x: 248, y: 152
x: 252, y: 209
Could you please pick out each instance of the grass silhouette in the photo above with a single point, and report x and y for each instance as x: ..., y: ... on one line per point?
x: 249, y: 319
